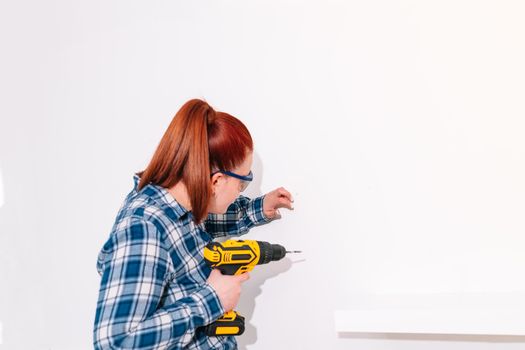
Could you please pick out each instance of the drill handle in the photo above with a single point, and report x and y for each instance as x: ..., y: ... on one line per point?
x: 231, y: 270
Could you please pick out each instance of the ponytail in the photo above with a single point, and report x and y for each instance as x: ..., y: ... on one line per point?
x: 197, y: 139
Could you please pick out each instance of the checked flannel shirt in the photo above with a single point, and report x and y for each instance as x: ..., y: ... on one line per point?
x: 153, y: 291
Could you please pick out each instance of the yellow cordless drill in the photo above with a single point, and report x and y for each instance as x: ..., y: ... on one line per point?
x: 234, y: 257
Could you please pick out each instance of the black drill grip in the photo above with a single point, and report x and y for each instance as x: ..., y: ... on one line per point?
x: 231, y: 323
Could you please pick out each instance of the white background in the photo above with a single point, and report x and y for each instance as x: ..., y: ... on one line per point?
x: 397, y: 125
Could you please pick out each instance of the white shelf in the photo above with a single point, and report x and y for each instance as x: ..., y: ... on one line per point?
x: 469, y: 314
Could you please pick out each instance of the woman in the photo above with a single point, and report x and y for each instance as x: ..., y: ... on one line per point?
x: 156, y: 291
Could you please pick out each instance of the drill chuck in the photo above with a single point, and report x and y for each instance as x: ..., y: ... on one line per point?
x: 270, y: 252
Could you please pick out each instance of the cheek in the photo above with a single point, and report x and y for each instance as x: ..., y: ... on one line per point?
x: 231, y: 193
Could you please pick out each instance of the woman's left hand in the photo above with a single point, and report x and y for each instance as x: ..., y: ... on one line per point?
x: 279, y: 198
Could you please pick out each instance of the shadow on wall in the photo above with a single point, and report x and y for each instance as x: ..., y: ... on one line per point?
x: 436, y: 337
x: 252, y: 288
x: 246, y: 306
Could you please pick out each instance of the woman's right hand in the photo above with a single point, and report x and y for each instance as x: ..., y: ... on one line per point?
x: 227, y: 287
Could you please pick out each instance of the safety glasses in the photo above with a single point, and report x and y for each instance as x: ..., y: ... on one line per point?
x: 245, y: 180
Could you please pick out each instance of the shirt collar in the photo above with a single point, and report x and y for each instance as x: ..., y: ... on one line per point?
x: 160, y: 195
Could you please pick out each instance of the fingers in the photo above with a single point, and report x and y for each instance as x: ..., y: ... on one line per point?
x: 285, y: 199
x: 278, y: 198
x: 244, y: 277
x: 284, y: 193
x: 284, y: 203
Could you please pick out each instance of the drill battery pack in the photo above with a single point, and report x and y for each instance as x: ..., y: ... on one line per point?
x: 231, y: 323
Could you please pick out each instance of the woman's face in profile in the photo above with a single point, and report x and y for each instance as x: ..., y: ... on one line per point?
x: 227, y: 188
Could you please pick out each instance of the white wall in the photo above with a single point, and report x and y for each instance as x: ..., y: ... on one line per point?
x: 397, y: 125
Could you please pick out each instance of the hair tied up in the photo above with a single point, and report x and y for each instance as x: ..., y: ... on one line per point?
x: 197, y: 140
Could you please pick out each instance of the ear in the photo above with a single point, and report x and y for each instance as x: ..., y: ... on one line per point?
x: 216, y: 181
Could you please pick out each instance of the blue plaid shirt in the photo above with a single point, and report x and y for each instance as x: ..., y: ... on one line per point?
x: 153, y: 292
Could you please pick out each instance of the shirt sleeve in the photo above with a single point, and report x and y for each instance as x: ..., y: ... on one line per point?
x: 133, y: 280
x: 241, y: 215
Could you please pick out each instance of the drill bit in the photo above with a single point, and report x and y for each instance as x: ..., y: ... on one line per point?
x: 293, y: 251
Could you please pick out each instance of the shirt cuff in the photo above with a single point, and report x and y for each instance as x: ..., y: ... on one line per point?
x: 207, y: 304
x: 256, y: 212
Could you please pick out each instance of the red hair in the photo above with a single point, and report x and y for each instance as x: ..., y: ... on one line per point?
x: 197, y: 141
